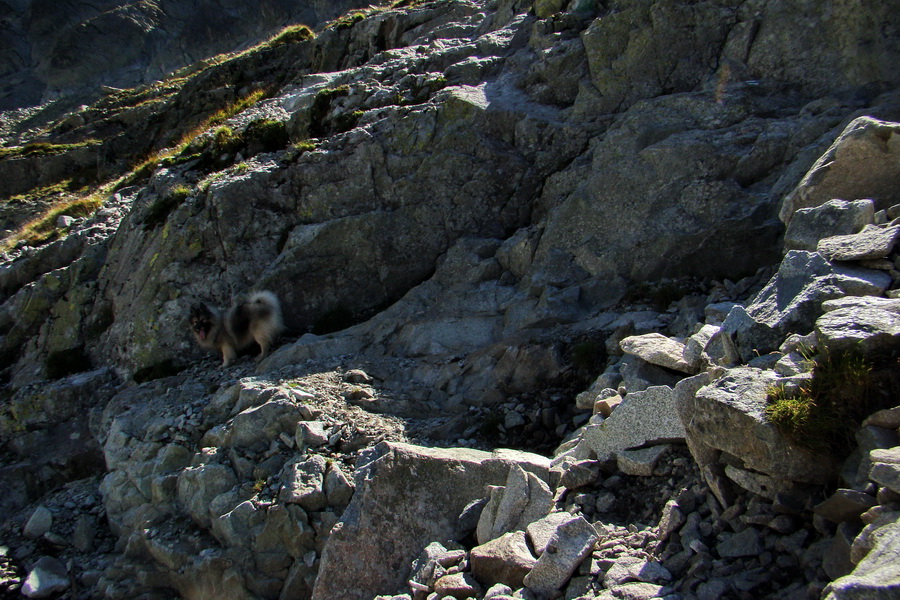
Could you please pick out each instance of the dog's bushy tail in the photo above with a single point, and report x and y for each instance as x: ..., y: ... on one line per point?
x: 262, y: 305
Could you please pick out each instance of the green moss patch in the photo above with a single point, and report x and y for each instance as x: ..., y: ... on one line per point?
x: 44, y: 149
x: 292, y: 34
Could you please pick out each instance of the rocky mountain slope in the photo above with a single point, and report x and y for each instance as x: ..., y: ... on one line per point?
x: 611, y: 236
x: 65, y: 52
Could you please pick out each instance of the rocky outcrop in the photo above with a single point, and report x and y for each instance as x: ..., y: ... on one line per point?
x: 575, y: 216
x: 369, y: 554
x: 482, y: 205
x: 836, y: 174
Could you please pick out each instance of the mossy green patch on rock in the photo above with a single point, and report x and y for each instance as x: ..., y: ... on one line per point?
x: 266, y: 135
x: 319, y: 123
x: 291, y: 34
x: 44, y: 149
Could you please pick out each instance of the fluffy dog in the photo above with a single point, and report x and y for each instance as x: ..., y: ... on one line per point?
x: 255, y: 318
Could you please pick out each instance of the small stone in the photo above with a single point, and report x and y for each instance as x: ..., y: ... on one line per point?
x: 505, y: 559
x: 39, y: 523
x: 48, y: 577
x: 513, y: 419
x: 871, y: 242
x: 606, y: 406
x: 338, y: 488
x: 497, y: 590
x: 835, y: 217
x: 357, y: 376
x: 304, y: 483
x: 632, y: 568
x: 579, y: 474
x: 659, y: 350
x: 744, y: 543
x: 605, y: 501
x: 640, y: 462
x: 310, y: 434
x: 836, y: 561
x: 886, y: 468
x: 845, y: 505
x: 457, y: 585
x: 671, y: 520
x: 713, y: 590
x: 783, y: 524
x: 638, y: 590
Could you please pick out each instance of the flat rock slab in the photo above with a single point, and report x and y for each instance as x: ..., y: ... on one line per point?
x: 868, y: 330
x: 888, y: 304
x: 640, y: 462
x: 659, y: 350
x: 647, y: 417
x: 632, y: 568
x: 835, y: 217
x: 870, y: 243
x: 792, y: 300
x: 845, y: 505
x: 568, y: 547
x: 886, y: 468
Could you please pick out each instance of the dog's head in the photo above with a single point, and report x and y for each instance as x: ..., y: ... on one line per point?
x: 202, y: 320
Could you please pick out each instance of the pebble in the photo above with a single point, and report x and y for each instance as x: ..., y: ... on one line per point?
x: 39, y: 523
x: 48, y: 577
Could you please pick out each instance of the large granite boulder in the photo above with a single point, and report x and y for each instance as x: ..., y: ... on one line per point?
x: 729, y: 434
x: 407, y: 496
x: 861, y: 163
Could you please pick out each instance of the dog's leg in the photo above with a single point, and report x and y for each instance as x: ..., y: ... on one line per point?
x: 228, y: 354
x: 264, y: 345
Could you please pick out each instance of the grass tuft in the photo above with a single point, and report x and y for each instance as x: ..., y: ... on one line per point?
x: 347, y: 21
x: 159, y: 210
x: 291, y: 34
x: 44, y: 228
x: 824, y: 414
